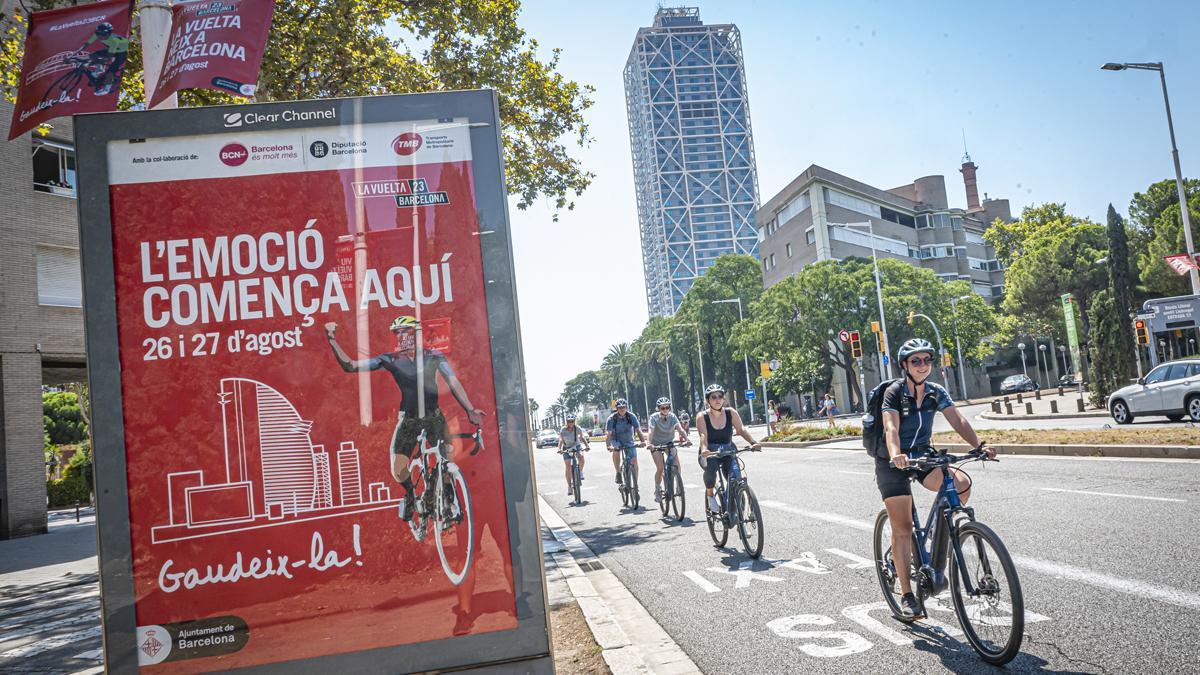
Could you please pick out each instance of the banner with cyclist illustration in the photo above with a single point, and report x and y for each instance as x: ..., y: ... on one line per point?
x: 74, y: 61
x: 215, y: 45
x: 311, y: 442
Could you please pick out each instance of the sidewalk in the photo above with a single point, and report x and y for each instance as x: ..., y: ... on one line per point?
x: 1068, y: 407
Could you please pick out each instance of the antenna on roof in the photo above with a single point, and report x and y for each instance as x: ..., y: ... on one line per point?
x: 966, y: 155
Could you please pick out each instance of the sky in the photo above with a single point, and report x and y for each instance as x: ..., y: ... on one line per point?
x: 880, y: 91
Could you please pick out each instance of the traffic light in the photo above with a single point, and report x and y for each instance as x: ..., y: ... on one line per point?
x: 874, y: 326
x: 1143, y: 334
x: 911, y: 315
x: 855, y: 345
x: 946, y: 359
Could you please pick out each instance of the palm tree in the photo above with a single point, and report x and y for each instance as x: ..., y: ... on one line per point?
x: 619, y: 361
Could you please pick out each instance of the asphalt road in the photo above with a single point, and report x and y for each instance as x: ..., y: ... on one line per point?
x: 972, y: 413
x: 1110, y: 579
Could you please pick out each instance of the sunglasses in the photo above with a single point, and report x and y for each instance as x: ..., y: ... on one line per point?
x: 928, y: 361
x: 711, y: 396
x: 664, y: 407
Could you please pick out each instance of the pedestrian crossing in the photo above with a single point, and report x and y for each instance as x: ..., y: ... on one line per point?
x: 51, y: 627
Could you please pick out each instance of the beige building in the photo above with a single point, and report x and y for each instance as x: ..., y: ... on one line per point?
x: 41, y: 316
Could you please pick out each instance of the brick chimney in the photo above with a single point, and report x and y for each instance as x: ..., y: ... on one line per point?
x: 968, y: 171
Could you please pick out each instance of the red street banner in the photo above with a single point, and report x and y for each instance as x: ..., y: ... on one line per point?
x: 311, y: 441
x: 73, y: 63
x: 215, y: 45
x: 1181, y: 263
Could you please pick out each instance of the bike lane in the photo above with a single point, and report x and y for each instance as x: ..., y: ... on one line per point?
x: 813, y: 601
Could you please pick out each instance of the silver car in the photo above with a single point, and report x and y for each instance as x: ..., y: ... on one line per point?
x: 1171, y: 389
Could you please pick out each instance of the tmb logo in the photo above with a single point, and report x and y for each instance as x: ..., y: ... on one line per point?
x: 407, y: 143
x: 234, y: 154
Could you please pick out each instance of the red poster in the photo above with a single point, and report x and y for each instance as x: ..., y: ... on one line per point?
x: 74, y: 60
x: 1182, y: 263
x: 302, y: 324
x: 215, y: 45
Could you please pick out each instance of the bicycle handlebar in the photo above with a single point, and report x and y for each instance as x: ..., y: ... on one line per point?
x: 938, y: 458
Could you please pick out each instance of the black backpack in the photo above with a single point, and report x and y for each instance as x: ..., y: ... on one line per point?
x: 872, y: 420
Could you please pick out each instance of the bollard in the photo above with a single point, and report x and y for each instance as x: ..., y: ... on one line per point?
x: 1008, y: 409
x: 996, y: 407
x: 1037, y: 393
x: 1060, y: 392
x: 1006, y: 399
x: 77, y: 510
x: 1054, y: 407
x: 1079, y: 404
x: 1028, y: 408
x: 1019, y: 399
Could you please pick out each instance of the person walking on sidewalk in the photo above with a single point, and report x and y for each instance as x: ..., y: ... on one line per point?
x: 829, y: 408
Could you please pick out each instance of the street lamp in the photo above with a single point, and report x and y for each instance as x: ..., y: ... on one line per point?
x: 745, y: 358
x: 1021, y: 346
x: 885, y: 368
x: 1187, y: 226
x: 1045, y: 364
x: 962, y: 381
x: 1062, y: 351
x: 663, y: 342
x: 699, y: 354
x: 937, y: 335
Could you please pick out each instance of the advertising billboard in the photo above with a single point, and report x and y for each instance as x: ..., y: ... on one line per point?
x: 311, y: 447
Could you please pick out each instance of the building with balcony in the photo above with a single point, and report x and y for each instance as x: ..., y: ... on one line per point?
x: 693, y: 151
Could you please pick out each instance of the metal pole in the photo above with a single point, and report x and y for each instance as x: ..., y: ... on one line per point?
x: 700, y: 357
x: 746, y: 364
x: 155, y: 19
x: 884, y: 364
x: 670, y: 395
x: 1021, y: 347
x: 862, y: 385
x: 962, y: 381
x: 1183, y: 204
x: 941, y: 350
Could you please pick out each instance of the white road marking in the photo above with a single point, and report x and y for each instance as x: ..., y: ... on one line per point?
x: 807, y: 562
x: 691, y: 486
x: 93, y: 655
x: 40, y: 646
x: 1164, y: 594
x: 850, y: 643
x: 549, y: 493
x: 703, y: 583
x: 1114, y: 494
x: 857, y: 562
x: 745, y: 575
x: 859, y: 473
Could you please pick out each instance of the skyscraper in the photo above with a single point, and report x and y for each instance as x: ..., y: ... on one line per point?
x: 693, y: 153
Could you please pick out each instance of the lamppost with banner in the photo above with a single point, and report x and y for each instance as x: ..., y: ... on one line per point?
x: 1021, y: 346
x: 745, y: 358
x: 699, y: 355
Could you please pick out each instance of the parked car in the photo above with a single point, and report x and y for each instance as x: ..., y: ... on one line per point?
x: 1171, y: 390
x: 598, y: 432
x: 1068, y: 380
x: 547, y: 438
x: 1015, y: 383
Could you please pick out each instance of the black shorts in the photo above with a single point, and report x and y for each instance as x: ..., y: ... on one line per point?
x: 895, y: 482
x: 724, y: 464
x: 408, y: 430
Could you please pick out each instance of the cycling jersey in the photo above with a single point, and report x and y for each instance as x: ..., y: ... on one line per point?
x: 916, y: 426
x: 403, y: 369
x: 662, y: 430
x: 571, y: 437
x: 622, y: 428
x: 115, y: 44
x: 722, y: 436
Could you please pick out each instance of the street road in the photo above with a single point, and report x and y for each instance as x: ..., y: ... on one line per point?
x: 1103, y: 551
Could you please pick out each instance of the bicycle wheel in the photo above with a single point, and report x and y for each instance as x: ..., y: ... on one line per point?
x: 885, y: 567
x: 678, y: 503
x: 749, y: 521
x: 993, y: 619
x: 631, y: 486
x: 420, y: 516
x: 67, y: 82
x: 454, y: 529
x: 576, y: 478
x: 717, y: 528
x: 668, y: 491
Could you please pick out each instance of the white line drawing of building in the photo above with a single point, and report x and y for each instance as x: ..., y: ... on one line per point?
x: 349, y: 474
x: 273, y: 474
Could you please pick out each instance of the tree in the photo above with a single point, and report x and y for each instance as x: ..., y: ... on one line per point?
x: 730, y: 276
x: 1109, y: 356
x: 1146, y: 207
x: 1012, y: 239
x: 583, y: 390
x: 63, y: 418
x: 336, y: 48
x: 1166, y: 238
x: 1122, y: 294
x: 617, y: 365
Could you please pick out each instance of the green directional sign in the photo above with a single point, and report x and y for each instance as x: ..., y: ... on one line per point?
x: 1068, y: 303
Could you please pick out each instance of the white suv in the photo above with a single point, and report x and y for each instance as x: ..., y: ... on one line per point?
x: 1172, y: 389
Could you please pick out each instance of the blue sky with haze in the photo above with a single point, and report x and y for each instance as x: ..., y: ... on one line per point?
x: 880, y: 91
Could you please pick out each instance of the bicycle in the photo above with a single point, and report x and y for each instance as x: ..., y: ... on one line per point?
x: 952, y: 528
x: 446, y: 507
x: 576, y: 474
x: 672, y: 496
x: 629, y: 486
x: 742, y: 510
x: 89, y: 66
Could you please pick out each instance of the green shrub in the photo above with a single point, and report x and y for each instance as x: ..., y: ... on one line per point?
x: 68, y: 491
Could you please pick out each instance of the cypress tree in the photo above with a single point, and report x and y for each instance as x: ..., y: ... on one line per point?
x: 1122, y: 294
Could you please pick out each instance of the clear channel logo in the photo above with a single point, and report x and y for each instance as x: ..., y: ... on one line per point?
x: 233, y: 119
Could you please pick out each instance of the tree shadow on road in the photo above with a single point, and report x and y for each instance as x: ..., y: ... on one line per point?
x: 957, y: 656
x: 609, y: 538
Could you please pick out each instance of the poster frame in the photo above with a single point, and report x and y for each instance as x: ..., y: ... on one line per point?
x: 525, y: 648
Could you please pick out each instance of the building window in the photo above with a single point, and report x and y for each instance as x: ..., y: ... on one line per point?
x: 58, y: 280
x: 938, y: 251
x: 981, y: 288
x: 810, y: 236
x: 897, y: 217
x: 853, y: 203
x: 956, y: 222
x: 973, y: 238
x: 865, y: 240
x: 792, y: 208
x: 789, y: 249
x: 772, y: 261
x: 924, y: 223
x: 53, y: 167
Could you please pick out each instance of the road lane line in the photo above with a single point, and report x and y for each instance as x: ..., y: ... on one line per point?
x: 1114, y: 494
x: 859, y: 473
x: 703, y: 583
x: 857, y: 562
x: 1143, y: 589
x: 93, y: 655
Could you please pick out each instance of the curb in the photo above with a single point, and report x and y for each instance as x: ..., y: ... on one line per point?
x: 1059, y: 416
x: 1128, y: 451
x: 805, y: 444
x: 613, y: 614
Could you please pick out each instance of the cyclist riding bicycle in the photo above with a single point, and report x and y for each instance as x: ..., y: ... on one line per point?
x: 716, y: 426
x: 115, y: 47
x: 619, y: 431
x: 569, y: 437
x: 908, y: 407
x: 664, y: 426
x: 402, y: 365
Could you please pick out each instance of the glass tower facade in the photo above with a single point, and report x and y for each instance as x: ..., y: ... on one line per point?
x: 693, y: 153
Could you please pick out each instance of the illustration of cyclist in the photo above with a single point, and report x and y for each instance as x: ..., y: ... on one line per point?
x: 402, y: 365
x: 115, y: 49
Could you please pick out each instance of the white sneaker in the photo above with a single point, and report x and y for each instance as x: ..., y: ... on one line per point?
x: 713, y: 504
x: 658, y: 494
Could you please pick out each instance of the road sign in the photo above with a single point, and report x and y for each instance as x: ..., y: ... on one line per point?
x: 750, y: 395
x: 874, y: 326
x: 844, y: 335
x: 885, y: 359
x: 1068, y: 305
x: 775, y: 364
x: 764, y: 369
